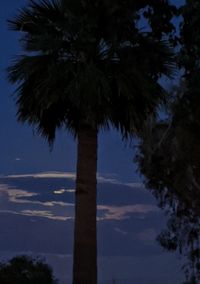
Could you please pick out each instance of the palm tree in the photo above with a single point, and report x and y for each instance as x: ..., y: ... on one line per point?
x: 88, y: 66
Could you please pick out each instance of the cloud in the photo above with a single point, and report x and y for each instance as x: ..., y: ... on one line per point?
x: 45, y: 214
x: 116, y: 181
x: 105, y: 212
x: 14, y: 193
x: 105, y: 178
x: 63, y: 190
x: 134, y: 184
x: 38, y: 213
x: 120, y: 231
x: 17, y: 196
x: 123, y: 212
x: 69, y: 175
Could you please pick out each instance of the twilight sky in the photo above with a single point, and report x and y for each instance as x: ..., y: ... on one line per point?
x: 36, y: 209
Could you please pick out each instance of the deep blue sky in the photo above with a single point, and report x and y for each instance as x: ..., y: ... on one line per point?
x: 126, y: 231
x: 35, y: 219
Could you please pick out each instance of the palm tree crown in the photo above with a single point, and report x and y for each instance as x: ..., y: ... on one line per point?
x: 87, y: 64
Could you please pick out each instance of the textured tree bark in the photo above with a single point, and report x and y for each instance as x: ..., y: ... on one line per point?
x: 85, y: 233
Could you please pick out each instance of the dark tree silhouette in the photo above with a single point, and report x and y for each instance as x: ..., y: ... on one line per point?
x: 169, y: 156
x: 26, y: 270
x: 90, y: 65
x: 169, y: 160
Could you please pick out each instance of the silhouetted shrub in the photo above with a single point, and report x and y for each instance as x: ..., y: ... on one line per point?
x: 26, y: 270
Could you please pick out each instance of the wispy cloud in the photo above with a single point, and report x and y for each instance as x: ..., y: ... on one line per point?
x: 115, y: 181
x: 123, y: 212
x: 102, y: 178
x: 38, y: 213
x: 46, y: 214
x: 69, y: 175
x: 21, y: 196
x: 63, y: 190
x: 105, y: 212
x: 14, y: 193
x: 118, y: 230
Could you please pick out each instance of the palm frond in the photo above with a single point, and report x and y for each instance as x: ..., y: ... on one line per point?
x: 28, y: 18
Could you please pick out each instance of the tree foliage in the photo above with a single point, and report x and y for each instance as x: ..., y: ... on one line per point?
x: 169, y: 156
x: 26, y: 270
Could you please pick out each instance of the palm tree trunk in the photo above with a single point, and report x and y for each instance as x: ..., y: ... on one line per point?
x: 85, y: 235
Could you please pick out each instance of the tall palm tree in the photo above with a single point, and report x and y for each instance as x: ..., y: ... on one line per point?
x: 87, y: 65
